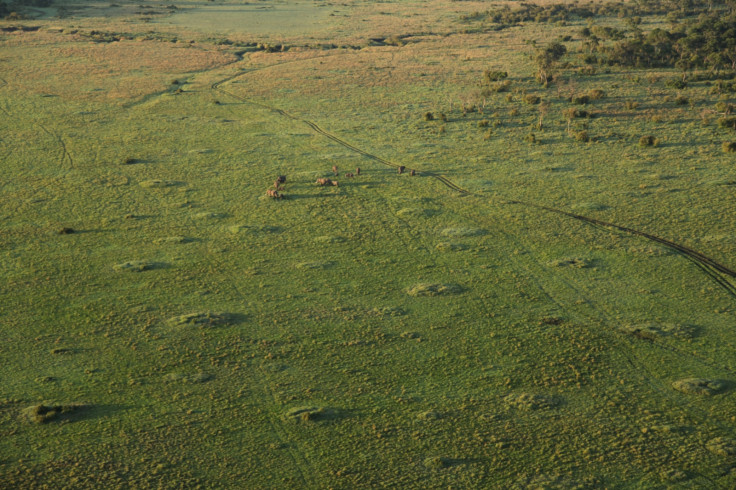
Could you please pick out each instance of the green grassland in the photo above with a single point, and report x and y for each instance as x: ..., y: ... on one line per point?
x: 450, y: 329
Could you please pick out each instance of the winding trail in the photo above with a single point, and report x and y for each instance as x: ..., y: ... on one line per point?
x: 718, y: 272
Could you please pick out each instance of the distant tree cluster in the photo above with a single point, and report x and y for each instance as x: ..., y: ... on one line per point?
x: 708, y: 41
x: 546, y: 59
x: 7, y: 8
x: 528, y: 12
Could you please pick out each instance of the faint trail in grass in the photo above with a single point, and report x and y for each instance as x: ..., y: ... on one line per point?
x: 3, y: 84
x: 626, y: 346
x: 301, y: 463
x: 708, y: 265
x: 64, y: 152
x: 64, y: 156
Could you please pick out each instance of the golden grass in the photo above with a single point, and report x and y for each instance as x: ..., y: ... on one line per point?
x: 51, y: 63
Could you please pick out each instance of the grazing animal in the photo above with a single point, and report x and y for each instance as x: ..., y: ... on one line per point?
x: 412, y: 172
x: 66, y: 231
x: 401, y: 169
x: 281, y: 179
x: 357, y: 171
x: 277, y: 185
x: 274, y: 194
x: 349, y: 175
x: 322, y: 181
x: 334, y: 170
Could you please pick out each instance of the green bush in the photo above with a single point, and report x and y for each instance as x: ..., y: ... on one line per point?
x: 532, y: 99
x: 727, y: 122
x: 580, y: 99
x: 500, y: 86
x: 676, y: 83
x: 648, y: 141
x: 596, y: 94
x: 581, y: 136
x: 587, y: 70
x: 725, y: 86
x: 729, y: 146
x: 725, y: 107
x: 573, y: 112
x: 494, y: 75
x: 428, y: 116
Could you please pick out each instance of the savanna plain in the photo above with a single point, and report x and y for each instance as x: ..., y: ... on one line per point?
x: 529, y: 283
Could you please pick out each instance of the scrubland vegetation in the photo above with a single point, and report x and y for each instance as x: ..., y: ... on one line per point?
x: 543, y: 296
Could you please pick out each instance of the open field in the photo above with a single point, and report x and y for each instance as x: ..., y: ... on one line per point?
x: 532, y: 309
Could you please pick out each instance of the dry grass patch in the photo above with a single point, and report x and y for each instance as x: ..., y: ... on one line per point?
x: 108, y: 72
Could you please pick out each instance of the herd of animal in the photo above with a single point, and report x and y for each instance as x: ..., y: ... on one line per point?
x: 276, y: 192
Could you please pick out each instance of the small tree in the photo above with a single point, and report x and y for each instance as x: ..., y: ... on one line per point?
x: 543, y: 109
x: 546, y: 59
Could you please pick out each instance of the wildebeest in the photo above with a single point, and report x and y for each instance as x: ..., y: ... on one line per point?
x: 277, y: 184
x: 401, y: 169
x: 349, y: 175
x: 412, y: 172
x: 357, y: 171
x: 281, y: 179
x: 334, y: 170
x: 272, y: 193
x: 323, y: 181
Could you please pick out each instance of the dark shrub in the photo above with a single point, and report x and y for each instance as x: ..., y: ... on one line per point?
x: 725, y: 108
x: 494, y: 76
x: 572, y: 113
x: 581, y: 136
x: 676, y: 83
x: 596, y: 94
x: 727, y: 122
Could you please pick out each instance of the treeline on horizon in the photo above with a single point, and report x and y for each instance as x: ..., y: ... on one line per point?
x: 13, y: 7
x: 701, y: 34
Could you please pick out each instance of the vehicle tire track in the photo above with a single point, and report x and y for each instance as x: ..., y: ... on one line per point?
x: 64, y: 155
x: 626, y: 347
x: 301, y: 464
x: 708, y: 265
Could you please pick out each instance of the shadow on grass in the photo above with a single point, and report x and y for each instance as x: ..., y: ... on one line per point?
x: 53, y: 412
x: 288, y: 197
